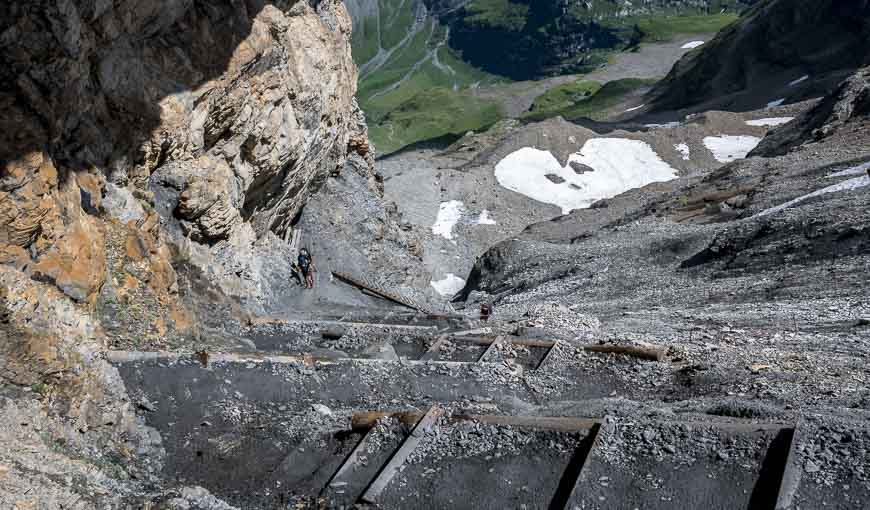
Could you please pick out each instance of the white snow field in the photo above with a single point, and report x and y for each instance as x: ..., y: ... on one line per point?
x: 449, y: 213
x: 484, y: 218
x: 772, y: 121
x: 849, y: 184
x: 667, y: 125
x: 449, y: 286
x: 728, y: 148
x: 619, y: 165
x: 684, y: 150
x: 777, y: 102
x: 860, y: 169
x: 691, y: 45
x: 635, y: 108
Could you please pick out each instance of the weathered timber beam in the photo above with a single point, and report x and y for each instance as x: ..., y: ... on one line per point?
x: 392, y: 467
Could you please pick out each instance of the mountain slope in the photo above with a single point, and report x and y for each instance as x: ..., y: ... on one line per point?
x: 420, y: 61
x: 781, y: 50
x: 851, y: 100
x: 525, y: 39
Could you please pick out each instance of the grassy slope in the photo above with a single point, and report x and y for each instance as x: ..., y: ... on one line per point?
x: 365, y: 41
x: 667, y: 27
x: 394, y: 14
x: 562, y: 97
x: 414, y: 110
x: 432, y: 101
x: 430, y: 114
x: 570, y: 102
x: 498, y: 14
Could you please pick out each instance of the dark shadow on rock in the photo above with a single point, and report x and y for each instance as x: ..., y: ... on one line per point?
x: 82, y: 80
x: 752, y: 61
x: 766, y: 490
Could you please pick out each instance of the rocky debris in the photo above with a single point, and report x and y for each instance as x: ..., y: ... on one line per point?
x: 382, y: 351
x: 386, y: 432
x: 349, y: 227
x: 833, y: 451
x: 39, y: 451
x: 196, y: 498
x: 464, y: 439
x: 560, y: 320
x: 75, y: 418
x: 681, y: 444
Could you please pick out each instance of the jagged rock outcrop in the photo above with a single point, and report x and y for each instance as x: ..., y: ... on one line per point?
x: 153, y: 156
x: 223, y: 117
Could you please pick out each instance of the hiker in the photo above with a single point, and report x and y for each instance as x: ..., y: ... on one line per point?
x: 306, y: 267
x: 485, y: 311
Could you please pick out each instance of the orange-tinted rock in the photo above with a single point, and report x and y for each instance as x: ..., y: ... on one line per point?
x: 77, y: 262
x: 13, y: 255
x: 181, y: 318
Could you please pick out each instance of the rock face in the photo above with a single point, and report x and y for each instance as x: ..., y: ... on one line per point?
x: 852, y: 100
x: 221, y: 117
x: 153, y: 157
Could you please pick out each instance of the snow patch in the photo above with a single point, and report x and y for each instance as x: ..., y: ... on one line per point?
x: 799, y: 80
x: 692, y: 45
x: 728, y: 148
x: 778, y: 102
x: 449, y: 214
x: 449, y: 286
x: 683, y: 149
x: 772, y: 121
x: 860, y: 169
x: 667, y: 125
x: 635, y: 108
x: 484, y: 218
x: 850, y: 184
x: 619, y: 165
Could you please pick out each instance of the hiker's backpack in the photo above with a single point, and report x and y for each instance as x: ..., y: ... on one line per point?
x: 304, y: 261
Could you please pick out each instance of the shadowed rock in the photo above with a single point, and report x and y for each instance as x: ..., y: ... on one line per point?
x: 223, y: 116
